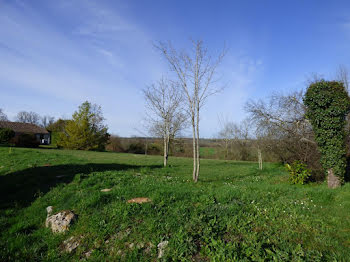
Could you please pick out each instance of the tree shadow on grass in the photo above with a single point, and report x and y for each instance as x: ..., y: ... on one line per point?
x: 22, y: 187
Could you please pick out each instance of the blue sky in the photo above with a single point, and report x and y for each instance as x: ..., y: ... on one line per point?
x: 56, y: 54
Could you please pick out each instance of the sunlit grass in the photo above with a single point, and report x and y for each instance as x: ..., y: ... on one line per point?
x: 235, y: 212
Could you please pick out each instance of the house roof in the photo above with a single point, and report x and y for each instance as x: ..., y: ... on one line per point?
x: 23, y: 127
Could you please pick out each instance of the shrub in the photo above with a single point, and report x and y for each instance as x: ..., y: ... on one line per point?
x: 5, y: 135
x: 114, y: 144
x: 27, y: 140
x: 136, y: 148
x: 154, y: 149
x: 327, y: 105
x: 298, y: 172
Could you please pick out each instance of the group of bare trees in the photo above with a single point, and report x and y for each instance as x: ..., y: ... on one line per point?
x: 34, y: 118
x: 281, y: 127
x: 29, y: 117
x: 175, y: 101
x: 165, y: 117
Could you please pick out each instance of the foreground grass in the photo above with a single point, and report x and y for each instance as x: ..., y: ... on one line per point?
x: 235, y: 212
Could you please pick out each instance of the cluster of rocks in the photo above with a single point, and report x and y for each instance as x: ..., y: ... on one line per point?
x: 61, y: 221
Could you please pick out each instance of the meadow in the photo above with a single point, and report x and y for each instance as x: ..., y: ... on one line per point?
x: 235, y: 212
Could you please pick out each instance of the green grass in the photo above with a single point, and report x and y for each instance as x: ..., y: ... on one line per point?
x: 207, y: 152
x: 234, y: 213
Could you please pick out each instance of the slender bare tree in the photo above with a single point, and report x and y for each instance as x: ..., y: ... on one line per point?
x: 165, y: 116
x: 47, y: 121
x: 3, y: 116
x: 342, y: 75
x: 226, y: 134
x: 195, y: 72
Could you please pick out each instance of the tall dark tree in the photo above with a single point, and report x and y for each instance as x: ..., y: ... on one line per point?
x: 5, y: 135
x: 327, y: 106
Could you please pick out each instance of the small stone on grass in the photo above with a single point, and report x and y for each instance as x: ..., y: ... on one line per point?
x: 139, y: 200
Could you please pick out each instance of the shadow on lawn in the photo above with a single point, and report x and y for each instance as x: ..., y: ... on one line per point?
x: 22, y: 187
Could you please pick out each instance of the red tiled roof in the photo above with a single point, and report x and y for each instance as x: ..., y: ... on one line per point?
x: 23, y: 127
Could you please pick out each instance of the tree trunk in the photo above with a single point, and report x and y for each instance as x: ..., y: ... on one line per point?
x: 259, y: 159
x: 165, y: 151
x: 333, y: 180
x: 197, y: 149
x: 146, y: 147
x: 194, y: 150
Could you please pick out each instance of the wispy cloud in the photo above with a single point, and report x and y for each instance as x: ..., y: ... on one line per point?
x: 81, y: 60
x: 55, y: 55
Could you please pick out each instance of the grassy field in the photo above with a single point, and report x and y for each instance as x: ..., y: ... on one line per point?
x: 208, y: 152
x: 234, y: 213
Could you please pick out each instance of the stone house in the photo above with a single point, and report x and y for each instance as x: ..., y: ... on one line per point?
x: 41, y: 135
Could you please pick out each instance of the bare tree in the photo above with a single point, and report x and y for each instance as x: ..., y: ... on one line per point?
x: 235, y: 135
x: 195, y: 73
x: 226, y: 134
x: 164, y: 115
x: 28, y: 117
x: 3, y: 116
x: 282, y: 128
x: 342, y: 75
x: 47, y: 121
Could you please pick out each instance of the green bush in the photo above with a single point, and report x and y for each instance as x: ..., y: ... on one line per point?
x: 5, y: 135
x: 55, y: 136
x: 298, y: 172
x: 154, y: 149
x: 136, y: 148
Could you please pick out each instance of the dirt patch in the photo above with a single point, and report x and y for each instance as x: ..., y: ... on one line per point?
x: 139, y: 200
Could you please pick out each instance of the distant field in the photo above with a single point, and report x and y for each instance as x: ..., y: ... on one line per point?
x: 207, y: 152
x: 234, y: 213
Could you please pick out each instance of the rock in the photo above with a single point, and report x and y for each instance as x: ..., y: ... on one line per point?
x: 123, y: 234
x: 61, y: 221
x: 139, y: 200
x: 140, y: 245
x: 106, y: 190
x: 161, y: 248
x: 88, y: 254
x: 70, y: 244
x: 49, y: 210
x: 148, y: 248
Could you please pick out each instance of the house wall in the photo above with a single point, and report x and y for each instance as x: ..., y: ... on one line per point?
x: 43, y: 139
